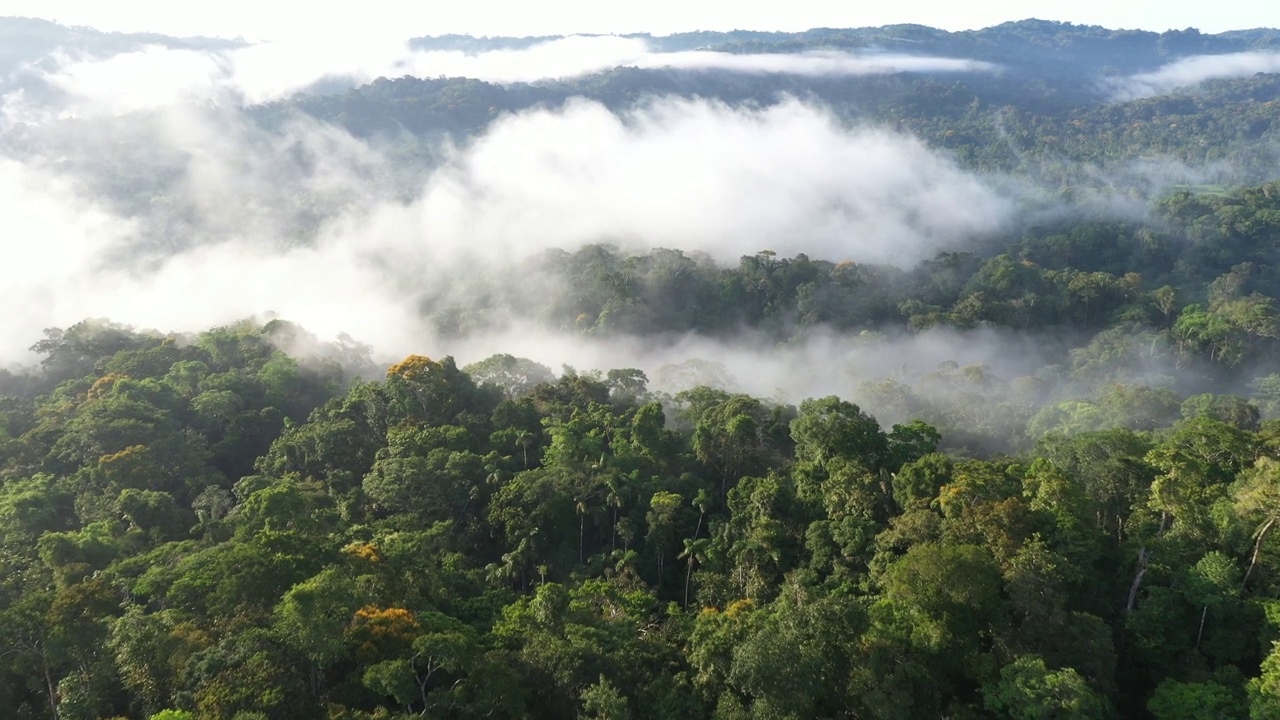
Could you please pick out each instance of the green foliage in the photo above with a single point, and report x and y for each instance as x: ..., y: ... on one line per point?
x: 1264, y: 690
x: 171, y: 715
x: 210, y: 522
x: 215, y: 526
x: 951, y: 594
x: 514, y: 376
x: 1175, y: 700
x: 601, y: 701
x: 1028, y: 690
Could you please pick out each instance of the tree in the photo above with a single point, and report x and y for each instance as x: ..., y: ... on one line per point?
x: 730, y: 438
x: 917, y: 483
x: 1111, y: 466
x: 695, y: 551
x: 248, y: 674
x: 1028, y: 690
x: 443, y: 646
x: 394, y: 679
x: 420, y: 389
x: 662, y: 519
x: 950, y: 592
x: 627, y: 386
x: 151, y: 651
x: 78, y: 350
x: 910, y: 442
x: 1196, y: 462
x: 172, y: 715
x: 763, y: 534
x: 832, y: 428
x: 27, y: 640
x: 312, y: 615
x: 1264, y: 690
x: 1266, y: 395
x: 602, y: 701
x: 1257, y: 498
x: 1230, y: 409
x: 1213, y: 583
x: 514, y: 376
x: 1174, y: 700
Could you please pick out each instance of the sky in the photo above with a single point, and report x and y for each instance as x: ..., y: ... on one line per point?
x: 256, y: 20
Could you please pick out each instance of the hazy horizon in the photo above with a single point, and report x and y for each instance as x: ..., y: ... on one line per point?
x: 381, y: 20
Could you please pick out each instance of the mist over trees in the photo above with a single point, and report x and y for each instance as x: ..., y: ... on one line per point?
x: 854, y: 373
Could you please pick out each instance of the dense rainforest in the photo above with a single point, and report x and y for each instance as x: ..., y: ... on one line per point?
x: 250, y: 522
x: 207, y: 526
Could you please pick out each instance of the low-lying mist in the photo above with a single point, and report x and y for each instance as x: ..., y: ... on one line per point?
x: 155, y: 76
x: 141, y: 192
x: 217, y: 219
x: 1190, y: 71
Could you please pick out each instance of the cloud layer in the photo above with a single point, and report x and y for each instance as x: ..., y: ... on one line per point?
x: 326, y: 230
x: 157, y: 76
x: 1193, y: 71
x: 703, y: 176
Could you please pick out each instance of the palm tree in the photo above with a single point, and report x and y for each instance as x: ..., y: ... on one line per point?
x: 512, y: 566
x: 524, y: 441
x: 695, y: 551
x: 580, y: 507
x: 702, y: 501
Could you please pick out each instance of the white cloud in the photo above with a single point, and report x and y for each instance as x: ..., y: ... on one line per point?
x: 702, y: 176
x: 832, y: 363
x: 815, y: 63
x: 54, y: 240
x: 1193, y: 71
x: 157, y: 76
x: 151, y: 77
x: 693, y: 175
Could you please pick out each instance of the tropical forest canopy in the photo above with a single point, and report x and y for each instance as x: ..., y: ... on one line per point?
x: 1032, y: 473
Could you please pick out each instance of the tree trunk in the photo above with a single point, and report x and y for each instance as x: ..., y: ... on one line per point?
x: 1257, y: 548
x: 1200, y: 633
x: 52, y: 689
x: 317, y: 679
x: 688, y: 573
x: 1143, y: 555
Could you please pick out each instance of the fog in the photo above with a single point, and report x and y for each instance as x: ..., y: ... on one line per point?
x: 1192, y: 71
x: 706, y: 177
x: 823, y: 363
x: 319, y: 227
x: 156, y: 76
x: 140, y: 192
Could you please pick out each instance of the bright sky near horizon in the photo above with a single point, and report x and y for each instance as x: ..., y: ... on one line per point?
x: 399, y: 19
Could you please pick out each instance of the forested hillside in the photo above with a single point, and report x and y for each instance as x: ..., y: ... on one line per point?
x: 947, y: 388
x: 207, y: 524
x: 1053, y: 100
